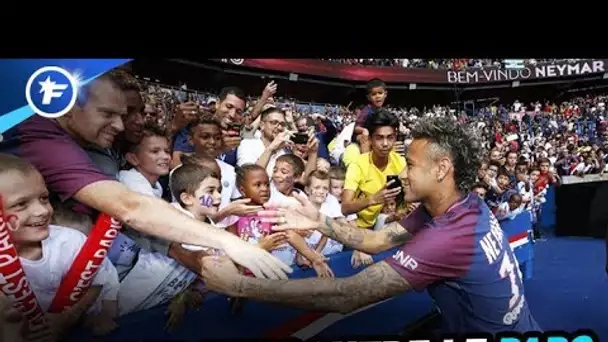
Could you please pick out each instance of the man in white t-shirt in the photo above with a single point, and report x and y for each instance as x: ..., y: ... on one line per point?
x: 265, y: 150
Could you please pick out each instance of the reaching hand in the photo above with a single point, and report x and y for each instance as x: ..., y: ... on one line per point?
x: 361, y: 259
x: 385, y: 194
x: 280, y: 140
x: 261, y: 263
x: 312, y: 145
x: 269, y: 90
x: 240, y: 208
x: 272, y: 241
x: 301, y: 216
x: 322, y: 269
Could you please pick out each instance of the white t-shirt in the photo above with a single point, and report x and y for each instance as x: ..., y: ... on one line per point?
x: 526, y: 195
x: 58, y: 253
x: 155, y: 278
x: 229, y: 191
x: 285, y: 252
x: 124, y: 250
x: 251, y: 149
x: 331, y: 208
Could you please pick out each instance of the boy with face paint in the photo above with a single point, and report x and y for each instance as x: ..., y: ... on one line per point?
x: 152, y: 279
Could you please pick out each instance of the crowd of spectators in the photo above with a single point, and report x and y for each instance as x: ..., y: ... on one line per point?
x: 450, y: 64
x: 217, y: 158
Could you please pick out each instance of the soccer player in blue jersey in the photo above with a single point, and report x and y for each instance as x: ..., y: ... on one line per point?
x: 451, y: 245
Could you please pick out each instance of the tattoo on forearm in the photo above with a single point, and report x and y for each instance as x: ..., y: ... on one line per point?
x: 344, y: 233
x: 375, y: 283
x: 397, y: 235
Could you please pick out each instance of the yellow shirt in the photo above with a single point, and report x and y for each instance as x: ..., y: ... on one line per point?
x: 365, y: 179
x: 351, y: 153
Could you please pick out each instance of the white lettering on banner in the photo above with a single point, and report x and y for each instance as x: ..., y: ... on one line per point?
x: 90, y: 270
x: 405, y: 260
x: 536, y: 71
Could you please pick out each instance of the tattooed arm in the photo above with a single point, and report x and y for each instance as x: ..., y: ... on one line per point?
x: 377, y: 282
x: 364, y: 240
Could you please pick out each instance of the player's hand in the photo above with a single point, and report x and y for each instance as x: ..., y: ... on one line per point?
x: 361, y: 259
x: 301, y: 216
x: 261, y: 263
x: 385, y: 194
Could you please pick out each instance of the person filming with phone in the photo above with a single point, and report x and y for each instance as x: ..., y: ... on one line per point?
x: 372, y: 179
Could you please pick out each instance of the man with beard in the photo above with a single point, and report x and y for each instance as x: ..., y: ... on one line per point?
x: 451, y: 245
x: 228, y: 111
x: 264, y: 151
x: 56, y: 147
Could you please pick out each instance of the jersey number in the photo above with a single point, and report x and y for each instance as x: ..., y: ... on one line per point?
x: 511, y: 270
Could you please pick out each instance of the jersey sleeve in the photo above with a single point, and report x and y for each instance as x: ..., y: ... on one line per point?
x: 437, y: 251
x: 64, y: 165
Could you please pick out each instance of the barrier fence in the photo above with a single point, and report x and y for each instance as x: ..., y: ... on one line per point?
x: 214, y: 319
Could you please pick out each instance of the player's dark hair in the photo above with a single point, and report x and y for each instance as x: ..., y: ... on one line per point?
x: 479, y: 185
x: 448, y: 137
x: 374, y: 83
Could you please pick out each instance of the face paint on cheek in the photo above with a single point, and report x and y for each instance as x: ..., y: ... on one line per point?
x: 206, y: 201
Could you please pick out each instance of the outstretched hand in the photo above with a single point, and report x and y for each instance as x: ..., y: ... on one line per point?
x: 302, y: 216
x: 261, y: 263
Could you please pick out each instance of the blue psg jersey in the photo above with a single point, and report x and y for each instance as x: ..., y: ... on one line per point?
x: 464, y: 260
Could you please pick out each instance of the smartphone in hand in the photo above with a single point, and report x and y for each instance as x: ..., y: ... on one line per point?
x: 396, y: 183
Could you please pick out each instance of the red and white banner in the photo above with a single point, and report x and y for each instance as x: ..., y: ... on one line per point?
x: 13, y: 282
x: 82, y: 272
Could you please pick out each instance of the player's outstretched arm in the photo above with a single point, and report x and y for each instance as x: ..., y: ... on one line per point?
x: 365, y: 240
x: 306, y: 216
x: 378, y: 282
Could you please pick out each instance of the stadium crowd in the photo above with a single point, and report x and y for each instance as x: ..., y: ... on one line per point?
x: 188, y: 173
x: 451, y: 63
